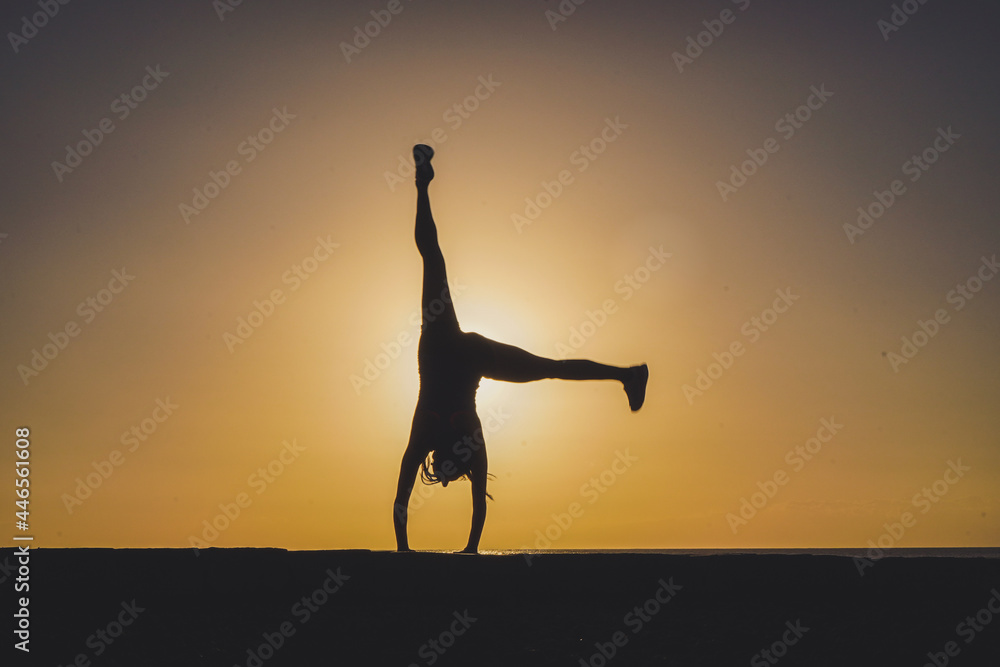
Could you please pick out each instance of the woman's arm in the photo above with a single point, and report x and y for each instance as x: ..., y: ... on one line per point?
x: 407, y: 476
x: 478, y: 478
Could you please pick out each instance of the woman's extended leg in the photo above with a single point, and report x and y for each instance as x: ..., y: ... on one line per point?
x: 512, y: 364
x: 436, y: 297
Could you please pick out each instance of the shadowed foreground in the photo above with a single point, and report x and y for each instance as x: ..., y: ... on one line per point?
x: 232, y: 606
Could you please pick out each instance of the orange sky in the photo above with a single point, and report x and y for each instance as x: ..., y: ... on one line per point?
x: 765, y: 322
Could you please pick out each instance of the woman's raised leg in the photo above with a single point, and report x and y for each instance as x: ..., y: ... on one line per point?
x: 436, y: 297
x: 508, y: 363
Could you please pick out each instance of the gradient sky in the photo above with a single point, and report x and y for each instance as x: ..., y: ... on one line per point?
x: 332, y: 176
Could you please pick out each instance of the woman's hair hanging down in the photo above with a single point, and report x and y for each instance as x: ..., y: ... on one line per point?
x: 444, y: 466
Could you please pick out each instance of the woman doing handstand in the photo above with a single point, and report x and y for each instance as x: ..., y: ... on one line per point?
x: 446, y: 437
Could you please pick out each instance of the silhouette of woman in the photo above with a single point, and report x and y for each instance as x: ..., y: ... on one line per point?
x: 446, y: 437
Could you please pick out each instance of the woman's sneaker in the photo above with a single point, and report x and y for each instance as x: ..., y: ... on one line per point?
x: 422, y: 155
x: 635, y: 386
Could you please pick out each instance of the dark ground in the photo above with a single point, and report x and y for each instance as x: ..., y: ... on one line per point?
x: 212, y: 608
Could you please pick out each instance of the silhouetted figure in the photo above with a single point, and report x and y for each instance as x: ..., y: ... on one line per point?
x: 446, y: 438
